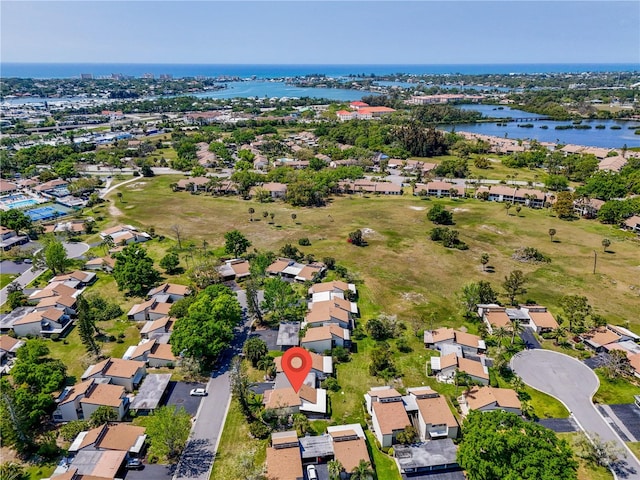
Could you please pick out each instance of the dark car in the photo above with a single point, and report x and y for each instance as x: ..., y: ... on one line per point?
x: 135, y: 464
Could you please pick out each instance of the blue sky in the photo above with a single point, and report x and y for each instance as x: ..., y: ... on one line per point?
x: 327, y: 32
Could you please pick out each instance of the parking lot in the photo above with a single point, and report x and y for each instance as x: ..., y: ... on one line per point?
x: 14, y: 268
x: 151, y: 472
x: 269, y: 336
x: 178, y: 395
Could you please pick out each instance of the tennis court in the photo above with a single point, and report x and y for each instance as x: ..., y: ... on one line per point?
x: 46, y: 213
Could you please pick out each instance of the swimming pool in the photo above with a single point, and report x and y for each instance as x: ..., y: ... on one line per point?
x: 22, y: 203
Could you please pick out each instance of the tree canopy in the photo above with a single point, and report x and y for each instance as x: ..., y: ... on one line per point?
x: 235, y: 243
x: 168, y: 429
x: 207, y: 329
x: 502, y: 445
x: 134, y: 271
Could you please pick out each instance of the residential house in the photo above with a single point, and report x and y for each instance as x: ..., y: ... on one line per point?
x: 8, y: 348
x: 632, y: 224
x: 127, y: 373
x: 152, y: 309
x: 235, y: 269
x: 445, y: 367
x: 78, y: 278
x: 173, y: 291
x: 106, y: 264
x: 43, y: 323
x: 10, y: 238
x: 494, y: 316
x: 125, y: 235
x: 327, y: 313
x: 283, y: 457
x: 275, y: 189
x: 335, y: 287
x: 470, y: 344
x: 439, y: 189
x: 435, y: 458
x: 64, y: 302
x: 612, y: 164
x: 152, y: 352
x: 322, y: 339
x: 349, y: 445
x: 287, y: 268
x: 284, y: 400
x: 321, y: 366
x: 150, y: 393
x: 7, y: 187
x: 92, y: 465
x: 488, y: 399
x: 597, y: 338
x: 435, y: 419
x: 388, y: 414
x: 368, y: 186
x: 120, y: 437
x: 54, y: 289
x: 587, y: 207
x: 157, y: 328
x: 625, y: 333
x: 71, y: 404
x: 541, y: 320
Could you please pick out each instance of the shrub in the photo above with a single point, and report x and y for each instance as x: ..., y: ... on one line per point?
x: 403, y: 346
x: 259, y: 430
x: 439, y: 215
x: 331, y: 384
x: 529, y: 254
x: 356, y: 238
x: 55, y: 337
x: 341, y: 354
x: 304, y: 242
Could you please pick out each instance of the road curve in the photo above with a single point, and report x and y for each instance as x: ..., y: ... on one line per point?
x: 574, y: 384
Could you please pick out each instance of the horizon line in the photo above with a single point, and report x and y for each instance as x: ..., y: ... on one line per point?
x: 314, y: 64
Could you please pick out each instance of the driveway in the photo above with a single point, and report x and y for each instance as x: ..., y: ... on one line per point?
x: 178, y: 395
x: 196, y: 461
x: 13, y: 268
x: 574, y: 384
x: 150, y: 472
x: 529, y: 339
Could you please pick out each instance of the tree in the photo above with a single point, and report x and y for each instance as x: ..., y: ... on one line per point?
x: 207, y: 329
x: 177, y: 230
x: 170, y: 262
x: 16, y: 299
x: 70, y: 430
x: 33, y: 368
x: 255, y: 349
x: 293, y: 217
x: 484, y: 259
x: 134, y: 271
x: 518, y: 209
x: 440, y: 215
x: 168, y: 429
x: 55, y: 257
x: 516, y: 327
x: 86, y: 326
x: 13, y: 471
x: 508, y: 206
x: 235, y: 243
x: 408, y: 435
x: 103, y: 414
x: 502, y: 445
x: 251, y: 212
x: 382, y: 363
x: 576, y: 309
x: 616, y: 364
x: 514, y: 285
x: 606, y: 243
x: 107, y: 243
x: 362, y: 471
x: 15, y: 220
x: 355, y: 238
x: 119, y: 195
x: 552, y: 233
x: 594, y: 449
x: 564, y: 206
x: 377, y: 329
x: 335, y: 469
x: 301, y: 424
x: 281, y: 301
x: 500, y: 333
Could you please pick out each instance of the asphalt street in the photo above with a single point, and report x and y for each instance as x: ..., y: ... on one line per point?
x: 198, y: 456
x: 574, y: 384
x: 74, y: 250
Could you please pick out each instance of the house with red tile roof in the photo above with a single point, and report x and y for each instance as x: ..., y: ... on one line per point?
x: 321, y: 339
x: 435, y: 418
x: 127, y: 373
x: 488, y: 399
x: 283, y: 457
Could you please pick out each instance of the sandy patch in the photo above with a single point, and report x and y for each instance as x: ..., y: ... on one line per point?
x: 492, y: 229
x: 413, y: 297
x: 368, y: 232
x: 418, y: 208
x: 136, y: 185
x: 458, y: 209
x: 129, y: 206
x: 114, y: 211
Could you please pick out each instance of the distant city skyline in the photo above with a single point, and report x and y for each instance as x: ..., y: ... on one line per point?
x: 329, y: 32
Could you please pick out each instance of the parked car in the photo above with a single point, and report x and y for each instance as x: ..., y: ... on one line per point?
x: 134, y: 464
x: 312, y: 473
x: 198, y: 392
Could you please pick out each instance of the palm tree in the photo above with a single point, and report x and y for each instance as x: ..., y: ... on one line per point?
x: 507, y: 206
x: 484, y: 259
x: 293, y: 217
x: 107, y: 243
x: 251, y: 212
x: 552, y: 232
x: 362, y: 471
x: 606, y: 243
x: 335, y: 469
x: 500, y: 333
x: 518, y: 208
x: 558, y: 333
x: 271, y: 215
x: 516, y: 329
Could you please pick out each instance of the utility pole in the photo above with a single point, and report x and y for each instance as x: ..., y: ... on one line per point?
x: 595, y: 260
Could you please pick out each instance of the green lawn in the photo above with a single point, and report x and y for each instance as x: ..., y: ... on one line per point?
x: 635, y: 448
x: 587, y: 470
x: 37, y: 472
x: 385, y: 466
x: 6, y: 279
x: 614, y: 391
x: 235, y: 439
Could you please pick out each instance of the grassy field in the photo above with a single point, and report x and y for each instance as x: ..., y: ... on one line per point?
x: 635, y: 448
x: 403, y: 271
x: 6, y: 279
x: 614, y: 391
x: 235, y: 440
x: 587, y: 470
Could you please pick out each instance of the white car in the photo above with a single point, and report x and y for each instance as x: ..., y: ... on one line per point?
x: 312, y: 473
x: 198, y: 392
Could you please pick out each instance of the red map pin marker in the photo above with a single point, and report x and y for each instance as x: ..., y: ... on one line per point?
x: 296, y: 363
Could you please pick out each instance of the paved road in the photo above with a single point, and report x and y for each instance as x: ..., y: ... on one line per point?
x: 574, y: 384
x: 74, y: 250
x: 198, y: 456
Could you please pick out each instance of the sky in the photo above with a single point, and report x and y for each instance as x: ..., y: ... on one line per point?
x: 325, y: 32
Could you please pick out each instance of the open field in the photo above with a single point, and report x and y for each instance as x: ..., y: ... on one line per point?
x: 6, y: 279
x: 401, y: 260
x: 587, y: 470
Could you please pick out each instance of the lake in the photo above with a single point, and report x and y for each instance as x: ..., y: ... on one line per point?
x: 606, y: 138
